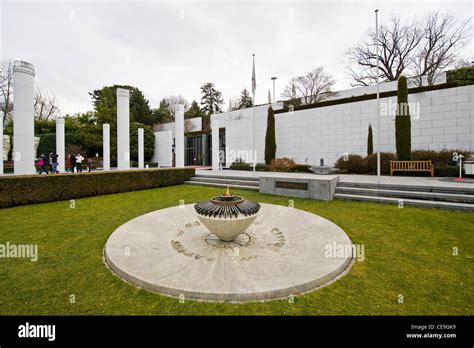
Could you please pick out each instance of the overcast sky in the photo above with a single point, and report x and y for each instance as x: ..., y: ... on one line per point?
x: 167, y: 48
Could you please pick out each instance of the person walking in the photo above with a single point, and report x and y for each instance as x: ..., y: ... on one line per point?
x: 50, y: 160
x: 54, y: 163
x: 90, y: 162
x: 73, y: 162
x: 42, y: 163
x: 79, y: 160
x: 68, y: 163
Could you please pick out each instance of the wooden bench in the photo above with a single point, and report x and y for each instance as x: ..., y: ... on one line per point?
x: 411, y: 166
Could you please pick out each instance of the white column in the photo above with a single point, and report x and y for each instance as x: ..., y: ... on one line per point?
x: 1, y: 145
x: 215, y: 143
x: 141, y: 148
x: 23, y: 117
x: 106, y: 146
x: 179, y: 134
x: 60, y: 143
x: 123, y: 129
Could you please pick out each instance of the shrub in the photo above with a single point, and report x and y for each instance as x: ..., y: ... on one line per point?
x: 385, y: 158
x: 240, y: 166
x: 270, y: 142
x: 353, y: 164
x: 31, y: 189
x: 282, y: 165
x: 403, y: 122
x: 302, y: 168
x: 439, y: 158
x: 447, y: 171
x: 260, y: 167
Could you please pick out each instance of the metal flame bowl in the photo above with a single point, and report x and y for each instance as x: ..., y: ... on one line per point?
x: 227, y: 216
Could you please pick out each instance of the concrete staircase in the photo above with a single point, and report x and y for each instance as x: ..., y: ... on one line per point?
x: 454, y: 198
x: 238, y: 182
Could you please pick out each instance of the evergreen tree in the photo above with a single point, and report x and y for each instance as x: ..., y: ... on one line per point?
x: 245, y: 100
x: 403, y: 122
x: 104, y: 101
x: 270, y: 142
x: 194, y: 111
x: 163, y: 114
x: 370, y: 141
x: 211, y: 100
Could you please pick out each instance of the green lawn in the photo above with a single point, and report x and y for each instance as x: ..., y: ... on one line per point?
x: 408, y: 251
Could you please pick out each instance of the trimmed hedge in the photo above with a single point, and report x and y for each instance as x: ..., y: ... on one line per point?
x: 260, y: 167
x: 32, y: 189
x: 366, y: 97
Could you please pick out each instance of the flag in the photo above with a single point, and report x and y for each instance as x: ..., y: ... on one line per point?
x: 269, y: 97
x: 254, y: 78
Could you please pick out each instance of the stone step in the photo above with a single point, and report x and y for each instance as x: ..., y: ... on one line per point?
x: 418, y: 188
x: 227, y: 177
x: 433, y: 196
x: 211, y: 184
x: 414, y: 202
x: 226, y: 181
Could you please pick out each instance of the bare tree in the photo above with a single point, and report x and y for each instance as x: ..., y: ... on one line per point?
x: 443, y: 36
x: 234, y: 103
x: 415, y: 49
x: 314, y: 86
x: 174, y: 100
x: 6, y: 90
x: 397, y: 42
x: 45, y: 105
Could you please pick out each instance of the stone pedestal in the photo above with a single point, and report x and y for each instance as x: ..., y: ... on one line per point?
x: 141, y: 148
x: 179, y: 135
x: 123, y: 129
x: 215, y: 144
x: 106, y: 146
x: 60, y: 143
x: 23, y: 118
x: 299, y: 185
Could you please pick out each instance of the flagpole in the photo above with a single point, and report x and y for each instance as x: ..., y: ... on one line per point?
x: 254, y: 84
x: 378, y: 91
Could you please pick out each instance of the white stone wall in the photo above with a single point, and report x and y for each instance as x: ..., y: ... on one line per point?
x: 446, y: 120
x: 238, y: 126
x: 163, y: 148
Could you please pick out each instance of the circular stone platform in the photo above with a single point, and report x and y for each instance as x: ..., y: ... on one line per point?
x: 284, y: 252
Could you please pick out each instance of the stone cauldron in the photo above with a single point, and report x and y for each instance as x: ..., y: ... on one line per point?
x: 227, y: 216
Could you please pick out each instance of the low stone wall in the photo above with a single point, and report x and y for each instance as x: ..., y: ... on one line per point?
x: 31, y: 189
x: 303, y: 186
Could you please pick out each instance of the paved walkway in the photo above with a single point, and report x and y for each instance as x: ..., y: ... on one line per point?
x: 394, y: 180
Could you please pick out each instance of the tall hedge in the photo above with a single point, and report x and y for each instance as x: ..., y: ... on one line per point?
x: 47, y: 143
x: 370, y: 141
x: 31, y: 189
x: 270, y: 141
x: 403, y: 122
